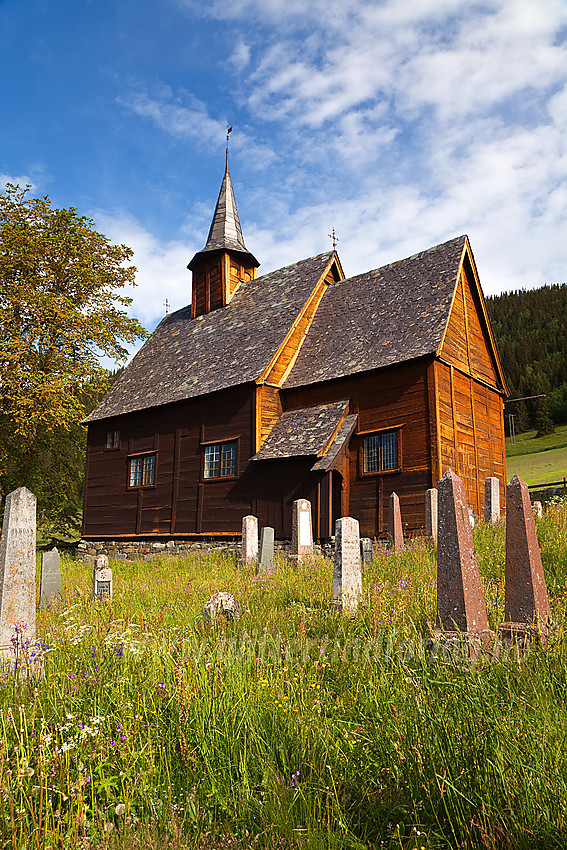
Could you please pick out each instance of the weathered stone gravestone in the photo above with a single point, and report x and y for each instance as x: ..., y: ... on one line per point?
x: 491, y: 499
x: 395, y: 532
x: 460, y: 601
x: 266, y: 556
x: 220, y: 604
x: 102, y: 579
x: 347, y: 573
x: 301, y: 530
x: 50, y: 592
x: 526, y: 604
x: 366, y: 550
x: 249, y: 550
x: 537, y: 508
x: 17, y: 569
x: 431, y: 513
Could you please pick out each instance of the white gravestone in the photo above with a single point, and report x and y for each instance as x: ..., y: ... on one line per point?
x: 249, y: 550
x: 17, y: 569
x: 366, y: 550
x: 50, y: 592
x: 491, y: 499
x: 266, y: 557
x: 431, y: 513
x: 102, y: 579
x: 301, y: 530
x: 537, y: 508
x: 347, y: 573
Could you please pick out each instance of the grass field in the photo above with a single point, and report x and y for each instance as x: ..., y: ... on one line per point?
x: 293, y: 727
x: 538, y: 460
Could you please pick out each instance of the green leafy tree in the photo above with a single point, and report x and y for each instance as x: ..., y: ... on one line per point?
x: 544, y: 423
x: 61, y: 310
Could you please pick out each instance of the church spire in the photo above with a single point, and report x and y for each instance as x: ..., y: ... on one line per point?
x: 225, y: 256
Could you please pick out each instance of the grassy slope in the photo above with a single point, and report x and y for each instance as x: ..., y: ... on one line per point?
x: 535, y: 460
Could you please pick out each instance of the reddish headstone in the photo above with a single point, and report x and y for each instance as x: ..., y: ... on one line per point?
x: 395, y: 532
x: 526, y: 601
x: 460, y: 602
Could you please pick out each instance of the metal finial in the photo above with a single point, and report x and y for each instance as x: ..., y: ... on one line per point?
x: 228, y: 132
x: 166, y: 305
x: 332, y: 235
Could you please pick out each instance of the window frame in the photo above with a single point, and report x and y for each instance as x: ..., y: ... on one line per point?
x: 205, y: 444
x: 115, y: 432
x: 138, y: 456
x: 380, y: 432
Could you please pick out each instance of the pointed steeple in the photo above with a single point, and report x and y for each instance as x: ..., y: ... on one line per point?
x: 225, y: 262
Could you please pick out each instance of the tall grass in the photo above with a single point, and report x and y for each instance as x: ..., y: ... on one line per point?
x: 293, y: 727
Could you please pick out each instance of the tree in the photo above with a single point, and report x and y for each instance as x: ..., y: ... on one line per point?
x: 543, y: 421
x: 61, y: 310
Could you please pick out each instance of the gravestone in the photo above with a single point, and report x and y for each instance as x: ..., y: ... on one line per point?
x: 301, y: 530
x: 17, y: 568
x: 537, y: 508
x: 431, y: 513
x: 526, y: 604
x: 249, y: 550
x: 460, y: 601
x: 491, y: 499
x: 266, y: 557
x: 50, y: 592
x: 347, y: 573
x: 395, y: 533
x: 102, y: 579
x: 366, y: 550
x: 220, y: 604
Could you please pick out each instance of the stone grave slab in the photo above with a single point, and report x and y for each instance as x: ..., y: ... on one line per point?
x: 347, y: 572
x: 431, y: 513
x: 249, y: 549
x: 491, y: 499
x: 50, y: 592
x: 17, y: 568
x: 266, y: 555
x: 102, y: 580
x: 301, y: 530
x: 395, y: 532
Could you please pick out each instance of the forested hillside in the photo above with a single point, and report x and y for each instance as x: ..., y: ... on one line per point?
x: 530, y: 327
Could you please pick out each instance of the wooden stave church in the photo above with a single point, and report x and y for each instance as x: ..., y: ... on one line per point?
x: 299, y: 384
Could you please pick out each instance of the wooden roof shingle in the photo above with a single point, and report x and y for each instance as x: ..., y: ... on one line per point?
x: 304, y: 431
x: 385, y: 316
x: 187, y: 357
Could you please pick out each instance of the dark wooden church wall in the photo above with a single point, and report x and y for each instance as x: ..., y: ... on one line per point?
x: 180, y: 502
x: 384, y: 399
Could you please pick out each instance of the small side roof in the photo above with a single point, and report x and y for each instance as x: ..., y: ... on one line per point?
x: 233, y: 345
x: 304, y: 431
x: 385, y: 316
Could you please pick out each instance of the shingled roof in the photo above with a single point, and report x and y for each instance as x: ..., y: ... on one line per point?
x: 304, y: 431
x: 382, y: 317
x: 187, y: 357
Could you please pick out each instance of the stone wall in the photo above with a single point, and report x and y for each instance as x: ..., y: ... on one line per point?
x: 145, y: 550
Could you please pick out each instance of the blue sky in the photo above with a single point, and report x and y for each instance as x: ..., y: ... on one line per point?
x: 400, y: 124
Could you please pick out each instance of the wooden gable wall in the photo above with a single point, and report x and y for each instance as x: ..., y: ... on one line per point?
x: 469, y: 390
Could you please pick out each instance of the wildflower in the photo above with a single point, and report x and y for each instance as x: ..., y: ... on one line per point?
x: 120, y: 809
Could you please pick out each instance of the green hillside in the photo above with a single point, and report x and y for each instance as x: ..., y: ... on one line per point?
x: 538, y: 460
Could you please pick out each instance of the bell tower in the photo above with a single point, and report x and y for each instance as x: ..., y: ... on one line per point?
x: 225, y: 262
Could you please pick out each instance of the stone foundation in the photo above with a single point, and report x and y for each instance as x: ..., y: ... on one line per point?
x: 145, y: 550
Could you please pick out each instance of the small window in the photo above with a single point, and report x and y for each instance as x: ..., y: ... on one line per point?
x: 142, y: 471
x: 220, y: 460
x: 380, y: 452
x: 113, y: 439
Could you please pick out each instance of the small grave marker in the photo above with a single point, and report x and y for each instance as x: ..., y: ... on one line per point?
x: 347, y: 573
x: 301, y: 530
x: 249, y: 550
x: 266, y: 557
x: 50, y: 592
x: 537, y: 510
x: 102, y: 579
x: 17, y: 568
x: 431, y: 521
x: 220, y: 604
x: 395, y: 532
x: 491, y: 499
x: 526, y: 604
x: 366, y: 550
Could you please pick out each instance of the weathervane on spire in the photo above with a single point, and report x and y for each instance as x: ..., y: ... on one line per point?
x: 228, y: 132
x: 332, y: 235
x: 166, y: 305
